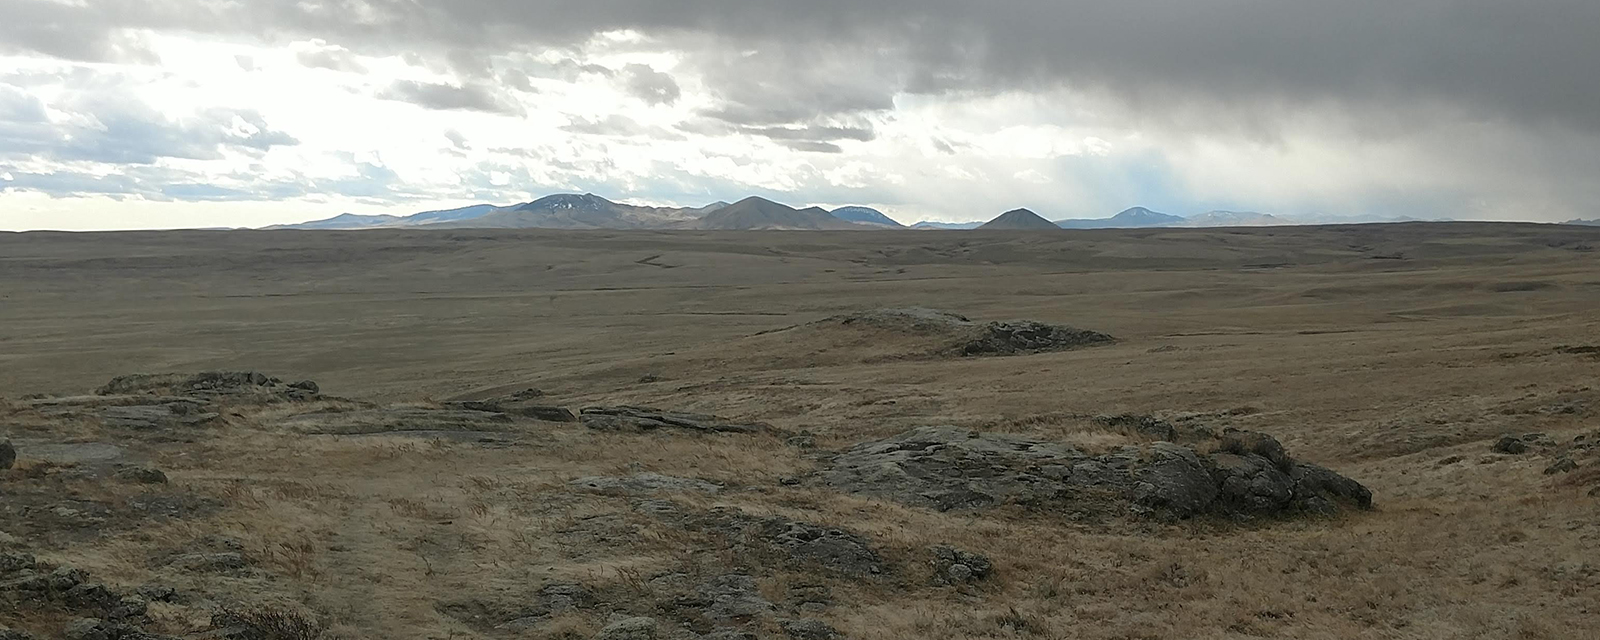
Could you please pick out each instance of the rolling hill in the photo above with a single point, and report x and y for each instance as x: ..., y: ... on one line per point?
x: 865, y: 215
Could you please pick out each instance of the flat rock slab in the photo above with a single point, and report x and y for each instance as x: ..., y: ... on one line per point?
x: 486, y: 437
x: 397, y: 419
x: 628, y: 418
x: 795, y: 543
x: 90, y: 459
x: 517, y: 407
x: 642, y: 484
x: 172, y: 414
x: 71, y: 453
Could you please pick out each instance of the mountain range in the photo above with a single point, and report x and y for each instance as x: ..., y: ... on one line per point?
x: 589, y: 211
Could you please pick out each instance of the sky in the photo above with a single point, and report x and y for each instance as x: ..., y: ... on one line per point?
x: 130, y: 114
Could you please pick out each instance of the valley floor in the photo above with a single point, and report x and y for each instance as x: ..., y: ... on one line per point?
x: 1397, y: 355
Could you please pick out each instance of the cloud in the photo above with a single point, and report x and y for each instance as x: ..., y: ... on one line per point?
x: 319, y: 55
x: 813, y: 146
x: 620, y: 126
x: 649, y: 85
x: 107, y: 125
x: 445, y: 97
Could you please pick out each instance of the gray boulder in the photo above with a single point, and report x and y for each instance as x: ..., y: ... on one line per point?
x: 1561, y: 465
x: 809, y: 629
x: 954, y: 567
x: 8, y: 454
x: 1510, y: 445
x: 141, y: 475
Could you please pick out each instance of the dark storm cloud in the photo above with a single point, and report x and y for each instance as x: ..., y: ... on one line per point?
x: 448, y: 97
x: 1528, y: 60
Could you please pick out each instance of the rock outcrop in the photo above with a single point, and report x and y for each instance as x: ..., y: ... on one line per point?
x: 958, y: 336
x: 1027, y: 336
x: 949, y: 468
x: 525, y: 403
x: 235, y: 386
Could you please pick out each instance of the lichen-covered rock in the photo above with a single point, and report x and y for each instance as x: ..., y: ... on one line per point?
x: 799, y: 545
x: 832, y: 548
x: 732, y: 598
x: 1175, y: 481
x: 949, y: 468
x: 638, y: 628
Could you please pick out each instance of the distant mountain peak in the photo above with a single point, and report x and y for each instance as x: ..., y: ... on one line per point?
x: 569, y: 201
x: 864, y: 215
x: 1019, y: 219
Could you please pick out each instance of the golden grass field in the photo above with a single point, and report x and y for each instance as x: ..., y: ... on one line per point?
x: 1377, y: 351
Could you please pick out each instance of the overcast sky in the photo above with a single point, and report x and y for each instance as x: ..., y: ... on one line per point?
x: 163, y: 113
